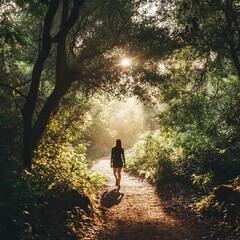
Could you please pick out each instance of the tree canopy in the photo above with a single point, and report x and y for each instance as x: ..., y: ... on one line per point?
x: 61, y: 67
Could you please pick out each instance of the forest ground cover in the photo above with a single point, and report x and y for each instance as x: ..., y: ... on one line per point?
x: 138, y: 211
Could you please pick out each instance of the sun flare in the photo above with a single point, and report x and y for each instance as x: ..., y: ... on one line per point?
x: 126, y: 62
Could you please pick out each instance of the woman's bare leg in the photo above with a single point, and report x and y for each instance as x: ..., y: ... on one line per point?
x: 119, y: 175
x: 115, y: 175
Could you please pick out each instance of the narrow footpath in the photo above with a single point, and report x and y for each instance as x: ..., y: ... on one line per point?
x: 136, y: 212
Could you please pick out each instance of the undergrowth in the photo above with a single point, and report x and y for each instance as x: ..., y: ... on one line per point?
x: 56, y: 200
x: 197, y: 165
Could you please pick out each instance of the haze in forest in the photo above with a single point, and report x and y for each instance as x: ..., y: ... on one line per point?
x: 61, y: 64
x: 126, y: 119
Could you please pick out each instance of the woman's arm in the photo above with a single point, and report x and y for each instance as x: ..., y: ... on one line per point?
x: 111, y: 161
x: 123, y: 157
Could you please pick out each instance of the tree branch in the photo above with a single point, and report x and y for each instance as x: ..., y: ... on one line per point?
x: 14, y: 89
x: 74, y: 15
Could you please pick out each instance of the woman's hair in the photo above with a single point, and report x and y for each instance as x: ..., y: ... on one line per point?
x: 118, y: 143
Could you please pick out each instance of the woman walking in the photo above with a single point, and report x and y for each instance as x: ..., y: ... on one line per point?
x: 117, y: 161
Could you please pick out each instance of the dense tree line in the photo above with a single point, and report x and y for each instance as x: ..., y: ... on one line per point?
x: 197, y: 141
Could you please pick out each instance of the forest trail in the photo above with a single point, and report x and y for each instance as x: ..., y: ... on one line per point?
x: 137, y: 213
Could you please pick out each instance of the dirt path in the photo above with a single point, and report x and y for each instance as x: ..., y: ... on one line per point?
x: 137, y: 213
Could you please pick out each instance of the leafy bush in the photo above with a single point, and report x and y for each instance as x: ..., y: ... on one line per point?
x: 160, y: 158
x: 189, y: 158
x: 204, y: 181
x: 150, y: 158
x: 10, y: 142
x: 57, y: 199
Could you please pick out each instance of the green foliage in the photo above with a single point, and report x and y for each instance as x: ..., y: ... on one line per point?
x: 14, y: 192
x: 57, y: 199
x: 207, y: 203
x: 50, y: 201
x: 67, y: 181
x: 10, y: 137
x: 204, y: 181
x: 190, y: 53
x: 165, y: 159
x: 222, y: 203
x: 150, y: 158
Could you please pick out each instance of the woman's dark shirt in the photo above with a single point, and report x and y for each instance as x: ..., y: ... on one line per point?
x: 117, y: 157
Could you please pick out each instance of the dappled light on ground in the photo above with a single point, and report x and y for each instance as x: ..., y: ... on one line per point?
x: 136, y: 212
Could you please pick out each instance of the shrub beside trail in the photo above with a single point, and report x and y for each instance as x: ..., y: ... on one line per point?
x: 171, y: 160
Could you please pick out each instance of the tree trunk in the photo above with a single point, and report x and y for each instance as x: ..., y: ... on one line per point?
x: 27, y: 113
x: 27, y: 139
x: 231, y: 34
x: 45, y: 114
x: 32, y: 135
x: 31, y: 99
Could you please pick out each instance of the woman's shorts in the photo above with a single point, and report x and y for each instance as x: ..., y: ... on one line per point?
x: 117, y: 164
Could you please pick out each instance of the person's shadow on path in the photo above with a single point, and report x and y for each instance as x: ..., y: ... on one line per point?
x: 111, y: 198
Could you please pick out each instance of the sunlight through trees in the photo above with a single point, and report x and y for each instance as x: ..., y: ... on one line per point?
x: 125, y: 62
x: 75, y: 75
